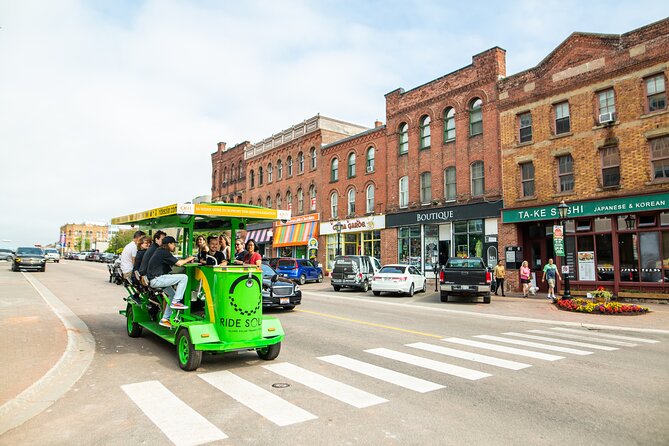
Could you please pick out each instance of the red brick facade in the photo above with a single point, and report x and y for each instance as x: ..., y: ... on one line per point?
x: 228, y: 173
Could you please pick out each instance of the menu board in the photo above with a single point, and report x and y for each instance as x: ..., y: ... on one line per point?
x: 570, y: 257
x: 586, y: 265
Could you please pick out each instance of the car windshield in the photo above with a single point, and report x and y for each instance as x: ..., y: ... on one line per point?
x: 29, y: 251
x: 465, y: 263
x: 51, y: 251
x: 393, y: 269
x: 267, y: 271
x: 5, y: 250
x: 289, y: 263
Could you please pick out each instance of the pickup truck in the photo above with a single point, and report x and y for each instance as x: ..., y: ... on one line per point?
x: 467, y: 277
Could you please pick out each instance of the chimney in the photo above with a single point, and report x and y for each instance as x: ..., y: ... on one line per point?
x: 221, y: 147
x: 377, y: 124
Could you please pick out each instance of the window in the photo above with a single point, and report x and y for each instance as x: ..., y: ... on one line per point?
x: 656, y: 93
x: 225, y: 175
x: 252, y: 178
x: 279, y: 169
x: 369, y: 199
x: 525, y: 125
x: 468, y: 238
x: 607, y: 103
x: 351, y: 201
x: 610, y: 166
x: 404, y: 192
x: 478, y: 181
x: 425, y: 187
x: 259, y: 176
x: 449, y: 124
x: 351, y: 165
x: 333, y: 205
x: 404, y: 138
x: 475, y: 117
x: 334, y: 170
x: 269, y: 173
x: 300, y: 162
x: 278, y: 201
x: 259, y: 202
x: 268, y: 202
x: 241, y: 172
x: 289, y: 200
x: 312, y: 154
x: 527, y: 179
x: 659, y: 157
x: 425, y: 132
x: 300, y: 200
x: 565, y: 173
x: 449, y: 184
x: 562, y: 124
x: 312, y: 197
x: 289, y: 167
x: 369, y: 165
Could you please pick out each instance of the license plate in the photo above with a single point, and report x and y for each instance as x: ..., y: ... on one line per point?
x: 284, y: 300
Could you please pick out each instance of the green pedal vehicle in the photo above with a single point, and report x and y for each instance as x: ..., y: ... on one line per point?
x: 224, y: 303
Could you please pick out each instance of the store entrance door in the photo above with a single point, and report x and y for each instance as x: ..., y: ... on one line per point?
x: 539, y: 246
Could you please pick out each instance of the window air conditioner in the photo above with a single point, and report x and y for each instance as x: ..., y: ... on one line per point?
x: 370, y: 169
x: 606, y: 118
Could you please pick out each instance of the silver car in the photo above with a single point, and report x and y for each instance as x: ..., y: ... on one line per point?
x: 6, y: 254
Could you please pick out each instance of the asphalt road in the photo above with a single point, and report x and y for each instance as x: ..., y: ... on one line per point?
x: 431, y: 383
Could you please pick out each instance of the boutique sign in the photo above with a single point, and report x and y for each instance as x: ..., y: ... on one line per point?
x: 590, y: 208
x: 445, y: 214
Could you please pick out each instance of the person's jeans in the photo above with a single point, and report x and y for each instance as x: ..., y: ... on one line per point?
x: 165, y: 282
x: 500, y: 286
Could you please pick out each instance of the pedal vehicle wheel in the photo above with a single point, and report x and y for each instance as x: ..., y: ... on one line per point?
x: 411, y: 290
x: 320, y: 278
x: 336, y: 287
x: 134, y: 329
x: 377, y: 293
x: 189, y: 358
x: 270, y: 352
x: 365, y: 286
x: 288, y: 307
x: 444, y: 297
x: 303, y: 279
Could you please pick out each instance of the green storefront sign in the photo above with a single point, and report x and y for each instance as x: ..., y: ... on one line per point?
x: 610, y: 206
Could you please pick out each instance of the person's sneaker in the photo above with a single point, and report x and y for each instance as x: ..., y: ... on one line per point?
x: 165, y: 323
x: 178, y: 306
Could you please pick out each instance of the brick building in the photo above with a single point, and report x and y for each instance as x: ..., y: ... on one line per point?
x: 85, y: 236
x: 228, y: 173
x: 589, y: 125
x: 444, y: 191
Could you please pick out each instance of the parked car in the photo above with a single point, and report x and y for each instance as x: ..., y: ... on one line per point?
x: 6, y: 254
x: 354, y: 272
x: 92, y: 256
x: 404, y: 279
x: 278, y: 291
x: 52, y: 254
x: 29, y: 258
x: 81, y: 256
x: 299, y: 270
x: 107, y: 257
x: 271, y: 261
x: 466, y: 277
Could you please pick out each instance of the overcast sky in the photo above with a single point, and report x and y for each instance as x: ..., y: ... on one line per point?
x: 109, y: 107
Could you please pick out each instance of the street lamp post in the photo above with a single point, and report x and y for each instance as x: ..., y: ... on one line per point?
x: 563, y: 210
x: 338, y: 227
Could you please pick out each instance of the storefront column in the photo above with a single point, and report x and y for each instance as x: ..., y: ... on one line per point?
x: 616, y: 256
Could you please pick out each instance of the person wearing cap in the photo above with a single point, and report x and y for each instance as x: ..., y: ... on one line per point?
x: 160, y: 265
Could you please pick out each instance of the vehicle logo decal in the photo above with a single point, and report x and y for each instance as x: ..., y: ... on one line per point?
x: 237, y: 305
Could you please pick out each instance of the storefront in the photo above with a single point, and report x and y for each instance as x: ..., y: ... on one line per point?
x: 356, y: 236
x: 427, y: 238
x: 291, y: 239
x: 262, y: 234
x: 621, y: 244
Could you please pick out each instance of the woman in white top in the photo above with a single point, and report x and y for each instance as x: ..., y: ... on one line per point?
x: 225, y: 246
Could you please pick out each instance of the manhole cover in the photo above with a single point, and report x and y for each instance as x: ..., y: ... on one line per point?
x: 280, y: 385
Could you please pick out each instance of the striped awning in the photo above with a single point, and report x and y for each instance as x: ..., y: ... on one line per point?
x: 294, y: 235
x: 259, y: 235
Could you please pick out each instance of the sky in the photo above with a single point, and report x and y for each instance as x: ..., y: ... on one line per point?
x: 114, y: 107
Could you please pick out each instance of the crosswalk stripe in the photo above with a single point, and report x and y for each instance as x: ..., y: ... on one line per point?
x: 335, y: 389
x: 561, y: 341
x: 430, y: 364
x: 484, y: 359
x: 387, y: 375
x: 554, y: 348
x: 270, y: 406
x: 176, y: 419
x: 610, y: 336
x: 585, y: 338
x: 504, y: 349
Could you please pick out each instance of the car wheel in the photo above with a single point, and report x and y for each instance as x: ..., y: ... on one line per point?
x: 134, y: 329
x: 288, y: 307
x: 189, y: 358
x: 444, y: 297
x: 424, y: 286
x: 365, y: 286
x: 320, y: 278
x: 486, y: 298
x: 42, y: 269
x: 336, y: 287
x: 302, y: 279
x: 270, y: 352
x: 14, y: 268
x: 411, y: 290
x: 377, y: 293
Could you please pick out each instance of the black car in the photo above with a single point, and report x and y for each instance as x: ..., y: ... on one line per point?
x: 29, y: 257
x: 278, y: 292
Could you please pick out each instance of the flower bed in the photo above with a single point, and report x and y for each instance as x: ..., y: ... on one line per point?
x: 586, y: 306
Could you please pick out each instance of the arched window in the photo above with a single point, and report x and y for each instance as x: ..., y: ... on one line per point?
x: 225, y: 174
x: 300, y: 200
x: 251, y: 202
x: 279, y: 170
x: 260, y: 176
x: 312, y: 155
x: 312, y: 197
x: 300, y: 162
x: 475, y: 117
x: 425, y: 132
x: 289, y: 166
x: 369, y: 165
x: 252, y: 179
x: 403, y: 136
x: 404, y: 192
x: 278, y: 201
x: 477, y: 176
x: 369, y: 199
x: 334, y: 170
x: 268, y: 202
x: 269, y: 173
x: 240, y: 173
x: 333, y: 205
x: 351, y: 201
x: 260, y: 202
x: 449, y: 124
x: 351, y: 165
x: 289, y: 200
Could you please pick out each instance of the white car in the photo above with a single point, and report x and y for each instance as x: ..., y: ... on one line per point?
x: 398, y: 279
x: 52, y: 255
x: 81, y: 256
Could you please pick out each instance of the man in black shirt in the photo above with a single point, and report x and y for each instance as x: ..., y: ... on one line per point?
x: 157, y: 240
x: 160, y: 265
x: 214, y: 257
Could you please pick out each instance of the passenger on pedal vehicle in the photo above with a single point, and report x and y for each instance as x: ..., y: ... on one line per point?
x: 144, y: 244
x: 202, y: 249
x: 157, y: 240
x: 215, y: 257
x: 129, y: 253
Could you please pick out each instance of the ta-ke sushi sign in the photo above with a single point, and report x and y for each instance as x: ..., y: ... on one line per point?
x: 639, y: 203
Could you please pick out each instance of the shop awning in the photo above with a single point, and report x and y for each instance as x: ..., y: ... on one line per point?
x: 259, y: 235
x: 295, y: 235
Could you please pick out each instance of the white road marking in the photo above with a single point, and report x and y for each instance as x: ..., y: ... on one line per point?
x: 430, y: 364
x: 335, y: 389
x: 610, y: 336
x: 561, y: 341
x: 490, y: 360
x: 585, y: 338
x: 387, y: 375
x: 554, y: 348
x: 259, y: 400
x: 176, y: 419
x: 504, y: 349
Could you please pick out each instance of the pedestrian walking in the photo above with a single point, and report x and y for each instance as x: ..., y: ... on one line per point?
x: 499, y: 272
x: 550, y: 274
x: 525, y: 277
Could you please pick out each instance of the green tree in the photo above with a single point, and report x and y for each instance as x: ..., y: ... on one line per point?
x: 87, y: 244
x: 119, y: 240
